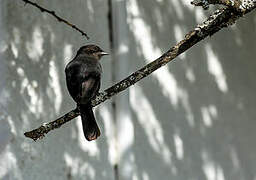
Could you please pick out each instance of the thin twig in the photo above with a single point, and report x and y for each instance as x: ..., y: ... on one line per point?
x: 60, y: 19
x: 218, y: 20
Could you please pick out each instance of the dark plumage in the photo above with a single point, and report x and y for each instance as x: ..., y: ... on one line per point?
x: 83, y: 75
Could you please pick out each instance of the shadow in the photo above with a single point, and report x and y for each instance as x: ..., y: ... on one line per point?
x: 192, y: 119
x: 203, y: 103
x: 34, y: 52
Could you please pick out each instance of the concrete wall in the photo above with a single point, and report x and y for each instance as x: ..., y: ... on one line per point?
x: 192, y: 119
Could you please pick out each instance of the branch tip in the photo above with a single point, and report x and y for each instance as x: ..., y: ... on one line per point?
x: 60, y: 19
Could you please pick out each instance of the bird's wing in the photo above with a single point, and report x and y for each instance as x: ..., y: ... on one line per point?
x: 83, y: 81
x: 90, y: 87
x: 72, y: 79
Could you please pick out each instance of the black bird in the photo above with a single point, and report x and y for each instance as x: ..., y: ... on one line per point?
x: 83, y: 75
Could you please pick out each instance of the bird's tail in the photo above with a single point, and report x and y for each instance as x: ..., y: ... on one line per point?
x: 90, y: 127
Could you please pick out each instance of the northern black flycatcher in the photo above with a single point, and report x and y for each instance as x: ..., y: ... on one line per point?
x: 83, y: 75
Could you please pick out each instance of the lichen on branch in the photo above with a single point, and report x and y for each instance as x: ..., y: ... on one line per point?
x: 238, y: 5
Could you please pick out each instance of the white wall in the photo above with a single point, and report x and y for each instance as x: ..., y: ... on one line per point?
x: 195, y: 118
x: 34, y: 51
x: 192, y: 119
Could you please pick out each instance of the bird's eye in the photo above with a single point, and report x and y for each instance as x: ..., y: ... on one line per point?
x: 88, y: 51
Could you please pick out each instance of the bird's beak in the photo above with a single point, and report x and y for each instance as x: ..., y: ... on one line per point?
x: 103, y: 53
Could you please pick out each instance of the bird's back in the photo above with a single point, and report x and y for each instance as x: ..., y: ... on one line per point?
x: 79, y: 70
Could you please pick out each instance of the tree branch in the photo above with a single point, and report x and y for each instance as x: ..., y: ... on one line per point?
x: 219, y: 19
x: 60, y: 19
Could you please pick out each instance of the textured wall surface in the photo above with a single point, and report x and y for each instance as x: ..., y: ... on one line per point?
x: 34, y: 51
x: 193, y: 119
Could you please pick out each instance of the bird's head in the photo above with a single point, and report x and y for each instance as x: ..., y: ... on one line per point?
x: 92, y: 50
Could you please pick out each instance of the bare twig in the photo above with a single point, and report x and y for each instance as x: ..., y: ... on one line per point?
x: 218, y: 20
x: 60, y: 19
